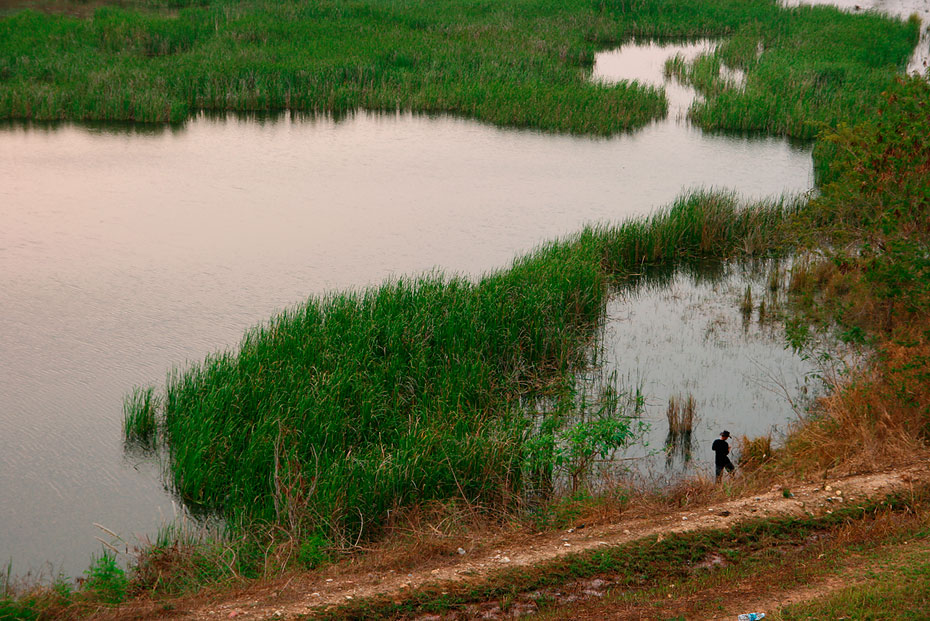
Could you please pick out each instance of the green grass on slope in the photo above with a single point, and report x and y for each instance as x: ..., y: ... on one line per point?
x: 895, y: 588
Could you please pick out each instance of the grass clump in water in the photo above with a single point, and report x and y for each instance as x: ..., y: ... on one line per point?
x: 680, y: 414
x: 344, y: 409
x: 139, y: 424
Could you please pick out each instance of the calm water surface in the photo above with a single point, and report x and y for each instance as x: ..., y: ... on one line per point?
x: 124, y: 253
x: 685, y: 334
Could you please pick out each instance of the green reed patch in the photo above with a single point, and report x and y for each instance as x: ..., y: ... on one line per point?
x: 513, y: 63
x: 339, y: 411
x: 809, y: 68
x: 140, y: 425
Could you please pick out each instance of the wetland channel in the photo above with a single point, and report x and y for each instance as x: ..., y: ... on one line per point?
x: 125, y: 252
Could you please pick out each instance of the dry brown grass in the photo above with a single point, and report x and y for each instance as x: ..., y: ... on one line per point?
x: 693, y: 492
x: 431, y: 533
x: 879, y: 418
x: 755, y: 452
x: 680, y: 414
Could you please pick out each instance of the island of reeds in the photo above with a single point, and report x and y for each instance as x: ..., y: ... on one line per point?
x: 518, y: 63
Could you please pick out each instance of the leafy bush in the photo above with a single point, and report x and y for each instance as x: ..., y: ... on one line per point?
x: 106, y: 579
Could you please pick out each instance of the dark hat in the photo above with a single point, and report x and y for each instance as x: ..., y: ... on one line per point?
x: 725, y: 434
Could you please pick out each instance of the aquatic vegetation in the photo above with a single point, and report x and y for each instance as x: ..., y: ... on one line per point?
x: 140, y: 425
x: 509, y: 65
x: 810, y: 68
x: 340, y: 410
x: 513, y: 63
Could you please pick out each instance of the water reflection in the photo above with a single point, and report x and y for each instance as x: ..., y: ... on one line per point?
x: 644, y: 62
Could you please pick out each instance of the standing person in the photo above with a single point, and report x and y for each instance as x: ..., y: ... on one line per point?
x: 721, y: 449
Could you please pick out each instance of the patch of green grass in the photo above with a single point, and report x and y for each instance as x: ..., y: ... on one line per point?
x: 105, y: 580
x: 809, y: 68
x: 513, y: 62
x: 139, y: 425
x: 898, y: 590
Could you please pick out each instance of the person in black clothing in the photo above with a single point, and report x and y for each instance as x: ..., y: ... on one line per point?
x: 721, y: 449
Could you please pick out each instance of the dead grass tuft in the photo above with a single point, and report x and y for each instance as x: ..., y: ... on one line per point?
x: 429, y: 533
x: 691, y: 492
x: 755, y: 452
x: 680, y: 414
x: 879, y: 418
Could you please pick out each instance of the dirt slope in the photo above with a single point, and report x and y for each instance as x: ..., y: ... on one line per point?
x: 296, y: 595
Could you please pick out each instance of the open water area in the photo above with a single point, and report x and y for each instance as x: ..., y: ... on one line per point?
x: 126, y: 252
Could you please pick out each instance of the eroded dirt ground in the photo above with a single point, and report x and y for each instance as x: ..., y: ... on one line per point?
x: 297, y: 595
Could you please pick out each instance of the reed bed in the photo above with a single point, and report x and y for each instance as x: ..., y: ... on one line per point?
x: 515, y: 63
x: 339, y: 411
x: 810, y: 67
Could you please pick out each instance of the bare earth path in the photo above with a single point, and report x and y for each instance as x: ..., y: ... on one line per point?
x: 750, y: 594
x: 296, y: 595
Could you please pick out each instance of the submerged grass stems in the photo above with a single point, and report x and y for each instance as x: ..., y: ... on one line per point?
x: 139, y: 425
x: 337, y: 412
x: 513, y: 63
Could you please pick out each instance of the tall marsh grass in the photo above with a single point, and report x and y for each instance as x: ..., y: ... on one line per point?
x: 508, y: 64
x: 341, y: 410
x: 513, y: 62
x: 808, y: 68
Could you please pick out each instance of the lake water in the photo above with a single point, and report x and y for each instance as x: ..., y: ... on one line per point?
x: 126, y: 252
